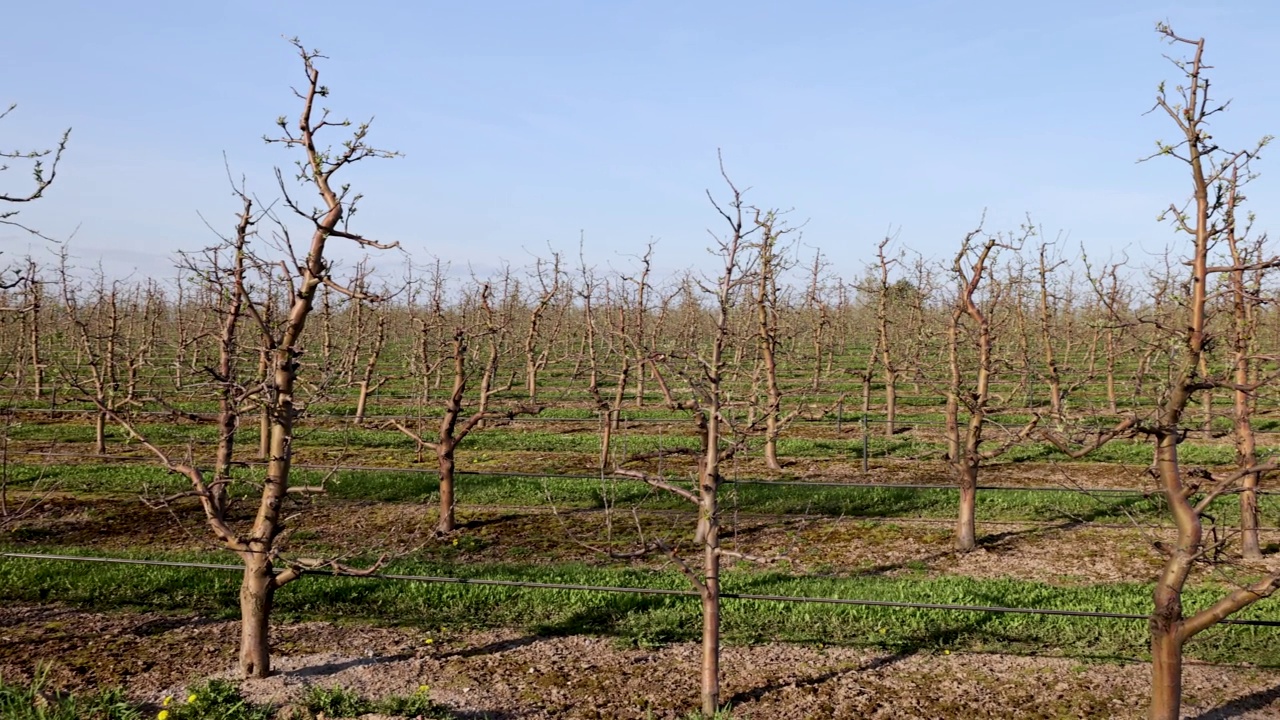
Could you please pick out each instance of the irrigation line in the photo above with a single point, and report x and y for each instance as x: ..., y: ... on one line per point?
x: 906, y: 424
x: 377, y: 469
x: 902, y: 604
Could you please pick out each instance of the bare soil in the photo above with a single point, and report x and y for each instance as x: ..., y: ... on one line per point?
x: 503, y: 674
x: 1062, y: 553
x: 506, y: 674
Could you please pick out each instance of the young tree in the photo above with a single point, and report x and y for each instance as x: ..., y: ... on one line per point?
x: 261, y: 548
x: 969, y: 389
x: 548, y: 276
x: 453, y: 428
x: 1216, y: 175
x: 818, y: 309
x: 770, y: 262
x: 884, y: 346
x: 96, y: 327
x: 1249, y: 262
x: 704, y: 375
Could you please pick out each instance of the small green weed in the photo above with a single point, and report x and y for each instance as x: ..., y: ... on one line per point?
x: 215, y: 700
x: 33, y: 702
x: 336, y: 702
x: 417, y: 705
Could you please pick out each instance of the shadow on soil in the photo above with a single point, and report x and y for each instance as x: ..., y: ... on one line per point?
x: 759, y: 693
x: 494, y: 647
x: 337, y: 667
x: 1260, y: 700
x: 1008, y: 539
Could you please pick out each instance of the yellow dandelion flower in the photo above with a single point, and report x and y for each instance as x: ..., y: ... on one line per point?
x: 164, y: 715
x: 167, y: 699
x: 423, y: 688
x: 429, y: 641
x: 191, y: 698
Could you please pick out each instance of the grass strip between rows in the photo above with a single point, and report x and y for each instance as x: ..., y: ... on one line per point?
x: 648, y: 620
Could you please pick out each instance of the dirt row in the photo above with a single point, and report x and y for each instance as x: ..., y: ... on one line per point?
x: 1063, y: 553
x: 506, y: 675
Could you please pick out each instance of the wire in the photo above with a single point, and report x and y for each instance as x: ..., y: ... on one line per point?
x: 902, y: 604
x: 573, y: 476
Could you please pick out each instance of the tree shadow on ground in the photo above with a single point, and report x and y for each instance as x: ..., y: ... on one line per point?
x: 493, y: 647
x: 930, y: 640
x: 1005, y: 540
x: 159, y: 626
x: 1257, y: 700
x: 314, y: 671
x: 759, y: 693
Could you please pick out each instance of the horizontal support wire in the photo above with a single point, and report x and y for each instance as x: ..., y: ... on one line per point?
x: 376, y: 469
x: 901, y: 604
x: 849, y: 421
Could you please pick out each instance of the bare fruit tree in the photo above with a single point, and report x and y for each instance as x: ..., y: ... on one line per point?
x: 884, y: 327
x: 771, y: 261
x: 1208, y: 219
x: 969, y: 397
x: 1250, y: 260
x: 704, y: 374
x: 493, y: 326
x: 549, y: 277
x: 261, y: 548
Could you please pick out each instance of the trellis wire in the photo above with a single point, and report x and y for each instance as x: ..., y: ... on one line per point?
x: 526, y: 584
x: 576, y: 476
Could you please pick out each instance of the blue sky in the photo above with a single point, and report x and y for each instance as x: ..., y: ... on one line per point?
x: 525, y: 124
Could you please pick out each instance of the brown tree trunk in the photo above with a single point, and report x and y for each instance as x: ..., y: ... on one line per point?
x: 444, y: 455
x: 264, y: 434
x: 1251, y: 549
x: 1112, y: 406
x: 711, y: 629
x: 100, y: 433
x: 771, y: 444
x: 257, y: 591
x: 1166, y: 670
x: 227, y: 421
x: 361, y: 401
x: 966, y: 535
x: 890, y: 404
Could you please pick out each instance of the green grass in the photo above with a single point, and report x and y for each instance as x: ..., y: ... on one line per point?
x: 393, y: 446
x: 336, y: 702
x: 532, y: 491
x: 649, y: 620
x: 36, y: 702
x: 216, y: 700
x: 484, y: 489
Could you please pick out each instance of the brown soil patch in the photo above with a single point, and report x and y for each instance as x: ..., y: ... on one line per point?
x: 1054, y: 552
x: 503, y: 674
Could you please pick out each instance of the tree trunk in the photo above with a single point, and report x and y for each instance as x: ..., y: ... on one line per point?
x: 966, y: 537
x: 1112, y: 405
x: 257, y: 591
x: 1166, y: 670
x: 444, y: 454
x: 264, y: 434
x: 361, y: 401
x: 890, y: 404
x: 1250, y: 547
x: 100, y: 434
x: 711, y: 642
x: 606, y: 437
x: 771, y: 442
x: 227, y: 421
x: 711, y: 601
